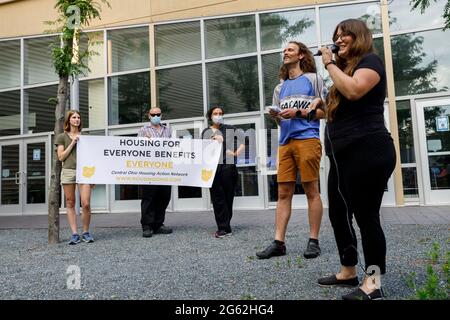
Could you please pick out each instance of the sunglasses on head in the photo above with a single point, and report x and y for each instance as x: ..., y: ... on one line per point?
x: 155, y: 114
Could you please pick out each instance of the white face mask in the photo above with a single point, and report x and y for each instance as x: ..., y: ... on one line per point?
x: 217, y: 119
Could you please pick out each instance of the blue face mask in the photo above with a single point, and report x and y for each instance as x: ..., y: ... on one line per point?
x: 155, y: 120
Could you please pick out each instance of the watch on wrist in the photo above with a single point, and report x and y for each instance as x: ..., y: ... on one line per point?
x: 328, y: 63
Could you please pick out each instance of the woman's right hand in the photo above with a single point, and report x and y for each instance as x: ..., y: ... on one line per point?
x: 218, y: 138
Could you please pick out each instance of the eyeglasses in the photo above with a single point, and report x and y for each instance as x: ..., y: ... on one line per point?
x: 342, y: 35
x: 155, y: 114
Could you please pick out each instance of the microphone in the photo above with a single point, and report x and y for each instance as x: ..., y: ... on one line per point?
x: 334, y: 48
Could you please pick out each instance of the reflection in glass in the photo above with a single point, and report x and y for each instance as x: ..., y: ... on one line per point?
x: 92, y: 103
x: 272, y: 142
x: 439, y: 172
x: 420, y: 62
x: 246, y: 163
x: 180, y: 92
x: 9, y: 64
x: 410, y: 188
x: 405, y: 132
x: 93, y: 41
x: 402, y: 17
x: 129, y: 98
x: 273, y: 187
x: 36, y: 172
x: 127, y: 191
x: 278, y: 28
x: 230, y: 36
x: 169, y: 38
x: 38, y: 60
x: 271, y: 64
x: 38, y: 110
x: 185, y: 192
x: 437, y: 128
x: 128, y: 49
x: 233, y: 84
x: 9, y: 113
x: 331, y: 16
x: 9, y: 167
x: 438, y: 145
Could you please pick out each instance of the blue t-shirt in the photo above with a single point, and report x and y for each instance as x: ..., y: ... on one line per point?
x: 298, y: 93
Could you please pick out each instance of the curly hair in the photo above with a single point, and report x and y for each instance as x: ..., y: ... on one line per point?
x: 307, y: 64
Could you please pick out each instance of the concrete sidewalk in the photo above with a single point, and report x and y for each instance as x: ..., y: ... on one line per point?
x: 389, y: 215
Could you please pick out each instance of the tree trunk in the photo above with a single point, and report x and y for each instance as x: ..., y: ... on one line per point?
x: 54, y: 197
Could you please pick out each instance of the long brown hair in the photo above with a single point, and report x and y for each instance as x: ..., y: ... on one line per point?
x: 307, y: 64
x: 70, y: 113
x: 361, y: 45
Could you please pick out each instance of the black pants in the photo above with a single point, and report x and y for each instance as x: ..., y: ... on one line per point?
x: 362, y: 172
x: 222, y: 195
x: 155, y: 200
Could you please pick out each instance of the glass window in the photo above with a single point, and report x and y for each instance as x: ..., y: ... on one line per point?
x: 402, y: 18
x: 233, y: 84
x: 405, y: 132
x: 271, y: 66
x: 272, y: 142
x: 9, y: 113
x: 93, y: 41
x: 129, y: 98
x: 128, y: 49
x: 421, y: 62
x: 410, y: 188
x: 9, y: 64
x: 280, y: 27
x: 38, y: 60
x: 180, y: 92
x: 9, y: 166
x: 92, y: 103
x: 331, y: 16
x: 230, y: 36
x: 176, y: 43
x: 38, y: 110
x: 438, y: 145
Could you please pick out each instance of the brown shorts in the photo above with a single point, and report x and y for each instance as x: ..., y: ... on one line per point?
x: 302, y: 155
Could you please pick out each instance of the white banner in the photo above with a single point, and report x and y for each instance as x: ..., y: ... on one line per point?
x: 128, y: 160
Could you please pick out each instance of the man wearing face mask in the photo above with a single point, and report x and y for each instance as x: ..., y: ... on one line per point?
x: 225, y: 180
x: 155, y: 198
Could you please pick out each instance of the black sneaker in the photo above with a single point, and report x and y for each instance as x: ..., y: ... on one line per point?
x: 312, y: 250
x: 358, y: 294
x: 333, y: 281
x: 222, y: 234
x: 272, y: 250
x: 147, y: 233
x: 163, y: 230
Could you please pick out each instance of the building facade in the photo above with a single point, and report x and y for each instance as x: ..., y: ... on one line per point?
x: 185, y: 56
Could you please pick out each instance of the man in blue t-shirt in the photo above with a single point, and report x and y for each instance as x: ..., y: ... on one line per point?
x: 299, y: 102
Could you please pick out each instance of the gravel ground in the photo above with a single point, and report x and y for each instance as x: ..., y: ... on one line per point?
x: 192, y: 264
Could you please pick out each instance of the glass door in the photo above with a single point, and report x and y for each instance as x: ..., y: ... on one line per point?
x: 24, y: 171
x: 185, y: 197
x: 35, y: 176
x: 11, y: 179
x: 249, y: 191
x: 124, y: 197
x: 433, y: 118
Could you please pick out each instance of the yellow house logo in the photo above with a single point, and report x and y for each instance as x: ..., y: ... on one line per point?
x: 206, y: 174
x: 88, y: 172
